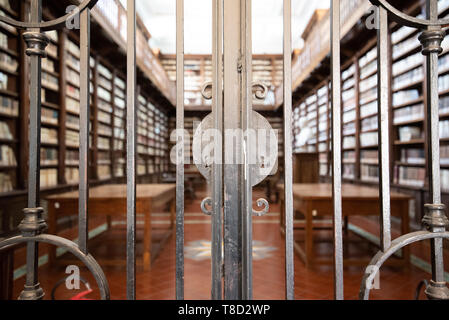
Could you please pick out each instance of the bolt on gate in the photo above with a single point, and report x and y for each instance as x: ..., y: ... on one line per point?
x: 230, y: 203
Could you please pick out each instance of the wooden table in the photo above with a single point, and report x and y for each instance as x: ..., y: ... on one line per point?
x: 110, y: 201
x: 6, y: 272
x: 315, y: 200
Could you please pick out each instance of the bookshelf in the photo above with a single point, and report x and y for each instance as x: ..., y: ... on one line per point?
x: 117, y: 118
x: 9, y: 103
x: 408, y: 92
x: 349, y: 122
x: 60, y: 116
x: 306, y: 125
x: 368, y: 119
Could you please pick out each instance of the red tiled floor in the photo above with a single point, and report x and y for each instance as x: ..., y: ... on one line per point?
x: 268, y: 275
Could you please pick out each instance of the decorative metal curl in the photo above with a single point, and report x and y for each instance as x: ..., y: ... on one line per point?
x: 206, y: 202
x: 261, y: 203
x: 380, y: 258
x: 407, y: 20
x: 206, y: 90
x: 53, y: 24
x: 260, y: 90
x: 72, y: 247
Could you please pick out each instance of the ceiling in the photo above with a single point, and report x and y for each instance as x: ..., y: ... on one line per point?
x: 159, y: 17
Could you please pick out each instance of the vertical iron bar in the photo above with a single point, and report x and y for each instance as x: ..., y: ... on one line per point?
x: 84, y: 130
x: 35, y: 116
x: 34, y: 151
x: 336, y: 149
x: 246, y: 111
x: 288, y: 171
x: 434, y: 146
x: 383, y: 119
x: 180, y: 149
x: 217, y: 170
x: 433, y: 113
x: 131, y: 151
x: 232, y: 154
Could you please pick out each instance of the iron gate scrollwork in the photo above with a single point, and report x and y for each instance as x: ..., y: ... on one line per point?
x: 33, y: 225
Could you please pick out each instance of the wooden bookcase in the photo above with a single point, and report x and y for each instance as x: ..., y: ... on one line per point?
x: 60, y: 116
x: 408, y: 140
x: 10, y: 123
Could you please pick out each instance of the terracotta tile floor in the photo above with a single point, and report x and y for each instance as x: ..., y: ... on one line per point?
x: 159, y: 283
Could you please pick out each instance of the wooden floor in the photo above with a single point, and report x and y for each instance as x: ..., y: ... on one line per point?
x: 159, y: 283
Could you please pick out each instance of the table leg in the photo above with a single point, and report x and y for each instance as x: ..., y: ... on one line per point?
x: 309, y: 238
x: 346, y: 225
x: 147, y: 239
x: 405, y: 229
x: 172, y: 214
x: 109, y: 222
x: 281, y: 216
x: 52, y: 212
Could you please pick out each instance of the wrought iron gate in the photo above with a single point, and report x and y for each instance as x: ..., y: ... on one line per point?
x: 231, y: 204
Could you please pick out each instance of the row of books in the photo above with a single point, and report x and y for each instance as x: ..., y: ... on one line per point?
x: 369, y: 157
x: 348, y: 129
x: 368, y: 139
x: 368, y: 83
x: 4, y: 42
x: 403, y: 47
x: 443, y: 83
x: 369, y: 173
x: 407, y: 78
x: 7, y: 156
x: 72, y: 175
x: 6, y: 182
x: 9, y: 106
x: 444, y: 154
x: 72, y: 157
x: 405, y: 96
x: 72, y: 138
x: 49, y: 157
x: 370, y: 123
x: 348, y: 156
x: 409, y: 113
x: 407, y: 63
x: 48, y: 65
x: 444, y: 129
x: 348, y: 171
x: 52, y: 51
x: 349, y: 142
x: 5, y: 132
x: 49, y: 136
x: 408, y: 133
x: 49, y: 81
x: 414, y: 155
x: 8, y: 63
x: 48, y: 178
x: 4, y: 81
x: 104, y: 172
x: 50, y: 116
x: 409, y: 176
x: 104, y: 143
